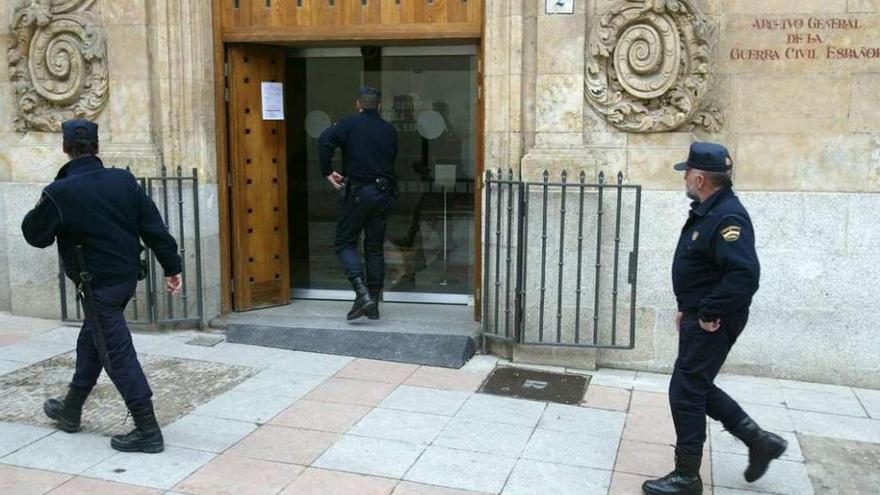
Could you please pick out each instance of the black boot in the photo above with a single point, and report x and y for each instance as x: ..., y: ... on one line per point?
x: 67, y: 411
x: 685, y: 480
x: 362, y: 301
x: 146, y: 436
x: 763, y: 446
x: 375, y: 295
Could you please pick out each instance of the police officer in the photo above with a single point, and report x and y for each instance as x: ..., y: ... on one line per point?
x: 367, y: 182
x: 714, y: 275
x: 104, y: 211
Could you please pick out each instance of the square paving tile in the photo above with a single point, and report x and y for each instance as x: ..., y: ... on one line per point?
x: 834, y: 426
x: 14, y: 436
x: 66, y: 336
x: 502, y: 410
x: 323, y: 416
x: 246, y: 355
x: 727, y: 491
x: 651, y: 382
x: 345, y: 391
x: 282, y: 383
x: 425, y: 400
x: 840, y: 401
x: 10, y: 366
x: 461, y: 469
x: 242, y: 406
x: 322, y: 482
x: 63, y: 452
x: 91, y: 486
x: 612, y: 398
x: 722, y: 441
x: 783, y: 477
x: 410, y: 488
x: 770, y: 418
x: 206, y: 433
x: 747, y: 390
x: 870, y: 399
x: 153, y: 470
x: 647, y: 428
x: 608, y: 377
x: 403, y: 426
x: 531, y: 477
x: 23, y: 481
x: 572, y: 449
x: 33, y: 351
x: 280, y: 444
x: 9, y: 339
x: 372, y: 456
x: 234, y: 475
x: 576, y: 419
x: 312, y: 363
x: 630, y: 484
x: 481, y: 436
x: 649, y: 403
x: 377, y: 371
x: 446, y: 379
x: 653, y: 460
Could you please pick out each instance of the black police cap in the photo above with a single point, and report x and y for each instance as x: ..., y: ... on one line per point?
x: 710, y: 157
x: 79, y: 130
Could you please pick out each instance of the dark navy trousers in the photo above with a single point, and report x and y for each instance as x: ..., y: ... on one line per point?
x: 692, y: 391
x: 364, y: 209
x: 127, y: 374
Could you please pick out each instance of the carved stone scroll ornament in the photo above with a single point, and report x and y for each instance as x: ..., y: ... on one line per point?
x: 57, y: 63
x: 648, y: 66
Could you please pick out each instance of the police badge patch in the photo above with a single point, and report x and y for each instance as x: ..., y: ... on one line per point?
x: 731, y: 233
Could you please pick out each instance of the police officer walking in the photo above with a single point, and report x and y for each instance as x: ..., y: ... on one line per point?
x: 714, y: 276
x: 98, y: 215
x: 367, y: 184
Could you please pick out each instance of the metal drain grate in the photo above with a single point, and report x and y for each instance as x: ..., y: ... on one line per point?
x: 537, y: 385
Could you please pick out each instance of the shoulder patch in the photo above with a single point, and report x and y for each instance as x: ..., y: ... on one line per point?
x: 731, y: 233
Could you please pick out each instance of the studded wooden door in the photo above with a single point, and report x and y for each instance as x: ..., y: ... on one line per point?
x: 257, y: 164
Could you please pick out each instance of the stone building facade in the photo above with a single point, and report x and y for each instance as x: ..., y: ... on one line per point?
x: 614, y: 87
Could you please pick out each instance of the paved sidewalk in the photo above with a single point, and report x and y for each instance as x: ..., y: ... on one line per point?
x: 300, y: 423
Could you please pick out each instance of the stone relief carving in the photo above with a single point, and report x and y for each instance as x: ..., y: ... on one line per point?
x: 648, y: 66
x: 57, y: 63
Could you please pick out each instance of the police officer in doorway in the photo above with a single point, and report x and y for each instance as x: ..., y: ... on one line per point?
x: 367, y: 184
x: 98, y: 216
x: 714, y: 275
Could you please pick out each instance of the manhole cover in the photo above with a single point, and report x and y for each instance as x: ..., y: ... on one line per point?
x: 536, y: 385
x: 206, y: 340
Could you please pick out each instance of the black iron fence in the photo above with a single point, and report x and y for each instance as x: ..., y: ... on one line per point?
x: 177, y: 197
x: 553, y: 269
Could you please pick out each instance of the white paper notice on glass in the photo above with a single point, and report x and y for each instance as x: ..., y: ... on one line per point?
x: 559, y: 7
x: 273, y: 100
x: 444, y: 176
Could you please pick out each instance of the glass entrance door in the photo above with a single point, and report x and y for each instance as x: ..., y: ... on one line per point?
x: 429, y: 95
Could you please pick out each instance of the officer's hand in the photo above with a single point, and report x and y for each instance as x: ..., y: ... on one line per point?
x: 174, y: 284
x: 711, y: 326
x: 335, y: 180
x: 678, y: 320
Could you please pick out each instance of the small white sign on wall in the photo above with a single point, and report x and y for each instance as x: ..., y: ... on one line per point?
x: 273, y: 100
x: 559, y: 7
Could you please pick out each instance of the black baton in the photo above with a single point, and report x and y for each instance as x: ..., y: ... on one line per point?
x: 88, y: 299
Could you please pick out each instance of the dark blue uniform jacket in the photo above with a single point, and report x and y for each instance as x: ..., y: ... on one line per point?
x: 716, y: 271
x: 369, y: 147
x: 106, y: 211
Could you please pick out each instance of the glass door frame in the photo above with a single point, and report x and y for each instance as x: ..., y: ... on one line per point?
x: 471, y: 49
